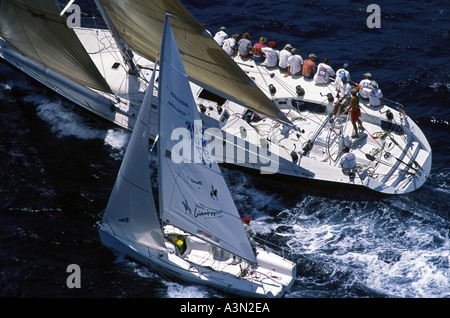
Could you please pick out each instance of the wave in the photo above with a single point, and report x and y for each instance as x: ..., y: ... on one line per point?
x: 63, y: 121
x: 390, y: 248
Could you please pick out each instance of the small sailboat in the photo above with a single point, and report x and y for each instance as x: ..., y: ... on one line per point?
x: 195, y: 233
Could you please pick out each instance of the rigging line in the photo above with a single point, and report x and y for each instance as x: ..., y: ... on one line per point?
x: 375, y: 138
x: 278, y: 248
x: 399, y: 173
x: 278, y: 80
x: 399, y: 107
x: 329, y: 155
x: 314, y: 117
x: 388, y: 134
x: 260, y: 73
x: 331, y: 130
x: 100, y: 49
x: 282, y: 84
x: 307, y: 148
x: 401, y: 113
x: 341, y: 134
x: 333, y: 80
x: 373, y: 158
x: 405, y: 152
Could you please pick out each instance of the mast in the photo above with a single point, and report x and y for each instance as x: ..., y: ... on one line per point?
x: 124, y: 50
x: 160, y: 143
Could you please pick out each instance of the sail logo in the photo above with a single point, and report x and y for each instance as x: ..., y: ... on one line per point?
x: 202, y: 210
x: 195, y: 144
x: 179, y: 100
x: 214, y: 193
x: 187, y: 208
x: 199, y: 182
x: 178, y: 110
x: 183, y: 111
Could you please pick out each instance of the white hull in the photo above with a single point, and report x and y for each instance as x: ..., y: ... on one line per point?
x: 273, y: 277
x: 403, y: 160
x: 393, y: 155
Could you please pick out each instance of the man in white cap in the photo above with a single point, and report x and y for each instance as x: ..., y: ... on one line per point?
x: 324, y: 72
x: 342, y: 72
x: 221, y: 36
x: 284, y: 55
x: 348, y: 159
x: 230, y: 44
x: 375, y: 95
x: 364, y: 86
x: 294, y: 62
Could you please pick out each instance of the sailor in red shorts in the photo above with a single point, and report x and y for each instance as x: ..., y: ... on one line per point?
x: 355, y: 113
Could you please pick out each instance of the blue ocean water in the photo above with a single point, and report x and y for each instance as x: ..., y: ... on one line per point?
x: 59, y: 164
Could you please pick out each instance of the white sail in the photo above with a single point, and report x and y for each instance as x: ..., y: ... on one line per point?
x: 131, y: 210
x: 193, y: 195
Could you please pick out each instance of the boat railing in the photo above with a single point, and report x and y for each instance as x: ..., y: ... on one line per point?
x: 282, y: 251
x: 392, y: 104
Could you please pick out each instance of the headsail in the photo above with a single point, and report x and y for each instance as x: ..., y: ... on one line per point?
x: 36, y: 30
x: 131, y: 210
x: 140, y: 25
x: 193, y: 195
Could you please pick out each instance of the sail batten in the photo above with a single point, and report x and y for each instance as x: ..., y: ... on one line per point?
x: 193, y: 194
x: 36, y: 30
x: 140, y: 25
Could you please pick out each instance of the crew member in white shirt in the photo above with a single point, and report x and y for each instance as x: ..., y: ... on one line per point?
x: 272, y: 54
x: 295, y: 62
x: 348, y: 159
x: 284, y: 55
x: 364, y: 86
x: 344, y: 93
x: 221, y: 36
x: 342, y: 72
x: 375, y: 95
x: 230, y: 44
x: 324, y: 72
